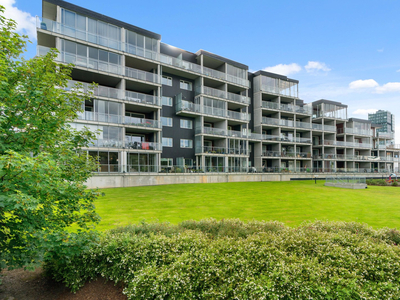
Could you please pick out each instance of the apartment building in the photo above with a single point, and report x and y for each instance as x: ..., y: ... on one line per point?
x: 164, y: 109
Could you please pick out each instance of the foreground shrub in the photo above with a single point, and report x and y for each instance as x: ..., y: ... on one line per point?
x: 208, y: 260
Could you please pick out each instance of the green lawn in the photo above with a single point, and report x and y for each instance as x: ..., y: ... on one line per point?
x: 290, y: 202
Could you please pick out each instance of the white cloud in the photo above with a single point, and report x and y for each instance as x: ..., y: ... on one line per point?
x: 26, y: 23
x: 398, y: 70
x: 380, y: 50
x: 284, y: 69
x: 388, y: 88
x: 314, y: 66
x: 363, y: 111
x: 363, y: 84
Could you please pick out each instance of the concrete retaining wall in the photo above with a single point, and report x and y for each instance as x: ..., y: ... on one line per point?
x: 128, y: 180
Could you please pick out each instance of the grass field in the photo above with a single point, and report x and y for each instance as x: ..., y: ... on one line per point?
x: 290, y: 202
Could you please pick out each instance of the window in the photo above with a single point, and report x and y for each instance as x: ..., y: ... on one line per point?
x: 167, y: 101
x: 185, y: 85
x: 165, y: 121
x: 166, y: 142
x: 167, y: 162
x: 167, y: 80
x: 186, y: 143
x: 189, y: 162
x: 188, y: 124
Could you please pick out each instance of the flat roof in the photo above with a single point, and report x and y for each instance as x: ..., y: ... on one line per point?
x: 328, y: 102
x: 218, y: 57
x: 95, y: 15
x: 360, y: 120
x: 274, y: 75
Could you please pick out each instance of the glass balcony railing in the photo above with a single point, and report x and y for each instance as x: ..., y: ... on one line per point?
x: 302, y: 140
x: 329, y: 128
x: 90, y: 63
x: 270, y: 121
x: 221, y: 150
x: 57, y: 27
x: 140, y: 51
x: 140, y: 122
x: 133, y: 145
x: 270, y: 153
x: 183, y: 105
x: 100, y: 91
x: 179, y: 63
x: 270, y: 105
x: 385, y: 135
x: 135, y: 97
x: 238, y: 98
x: 100, y: 117
x: 238, y: 116
x: 317, y: 126
x: 141, y: 75
x: 224, y: 95
x: 303, y: 125
x: 214, y: 92
x: 269, y: 137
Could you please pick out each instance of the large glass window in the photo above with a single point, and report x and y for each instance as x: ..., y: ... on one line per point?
x: 166, y: 80
x: 188, y: 124
x: 185, y: 85
x: 166, y: 142
x: 186, y: 143
x: 165, y: 121
x: 167, y: 101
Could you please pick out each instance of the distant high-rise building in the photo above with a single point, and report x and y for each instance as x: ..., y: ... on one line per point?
x: 383, y: 118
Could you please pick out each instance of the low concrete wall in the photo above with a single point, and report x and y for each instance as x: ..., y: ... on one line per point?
x: 127, y: 180
x: 354, y: 186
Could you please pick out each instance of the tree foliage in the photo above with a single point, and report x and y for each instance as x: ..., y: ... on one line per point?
x: 42, y: 169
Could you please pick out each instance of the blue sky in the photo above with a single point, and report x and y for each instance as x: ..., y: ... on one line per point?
x: 346, y: 51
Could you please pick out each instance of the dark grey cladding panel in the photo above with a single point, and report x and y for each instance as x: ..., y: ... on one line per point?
x: 92, y: 14
x: 299, y: 102
x: 328, y: 102
x: 273, y: 75
x: 359, y: 120
x: 221, y: 58
x: 175, y: 52
x: 376, y: 125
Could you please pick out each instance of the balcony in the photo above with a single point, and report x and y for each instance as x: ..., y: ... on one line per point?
x: 142, y: 75
x: 385, y: 135
x: 221, y: 150
x: 89, y: 63
x: 220, y: 132
x: 100, y: 117
x: 304, y: 125
x: 99, y: 91
x: 270, y: 105
x: 224, y: 95
x: 134, y: 97
x: 56, y: 27
x: 270, y: 121
x: 144, y: 123
x: 179, y: 63
x: 189, y: 107
x: 226, y: 77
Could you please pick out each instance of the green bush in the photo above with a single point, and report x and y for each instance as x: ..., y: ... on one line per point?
x: 230, y: 259
x: 379, y: 182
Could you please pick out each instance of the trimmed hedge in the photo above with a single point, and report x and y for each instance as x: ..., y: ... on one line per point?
x: 230, y: 259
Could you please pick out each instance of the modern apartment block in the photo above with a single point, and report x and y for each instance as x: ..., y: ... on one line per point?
x: 386, y: 121
x: 164, y: 109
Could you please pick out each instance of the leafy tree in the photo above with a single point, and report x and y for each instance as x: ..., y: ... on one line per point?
x: 42, y: 169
